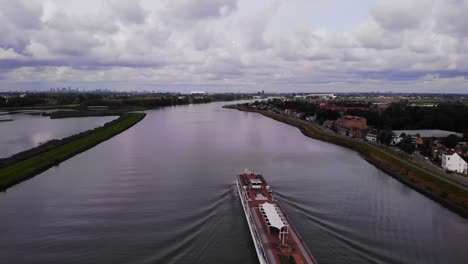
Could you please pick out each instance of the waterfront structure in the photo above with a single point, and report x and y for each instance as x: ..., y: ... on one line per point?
x: 395, y: 140
x: 342, y: 108
x: 454, y: 162
x: 352, y: 126
x: 304, y: 97
x: 321, y: 95
x: 290, y: 112
x: 329, y: 124
x: 372, y: 136
x: 199, y: 93
x: 426, y: 133
x: 275, y: 239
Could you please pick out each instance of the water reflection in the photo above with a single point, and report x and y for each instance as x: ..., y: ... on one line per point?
x: 28, y: 131
x: 162, y: 192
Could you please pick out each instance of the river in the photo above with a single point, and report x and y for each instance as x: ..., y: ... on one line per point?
x: 163, y: 192
x: 28, y: 131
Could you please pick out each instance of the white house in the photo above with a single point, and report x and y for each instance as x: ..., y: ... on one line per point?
x: 372, y: 136
x: 454, y: 163
x: 396, y: 140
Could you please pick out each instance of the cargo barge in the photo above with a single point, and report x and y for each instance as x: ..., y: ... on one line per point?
x: 275, y: 239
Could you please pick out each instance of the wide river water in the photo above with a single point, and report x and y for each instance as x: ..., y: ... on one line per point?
x: 27, y: 131
x: 163, y: 192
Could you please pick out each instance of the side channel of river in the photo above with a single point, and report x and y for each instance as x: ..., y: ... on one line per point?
x: 28, y: 131
x: 163, y: 192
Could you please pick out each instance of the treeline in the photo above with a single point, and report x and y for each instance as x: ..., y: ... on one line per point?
x: 67, y: 99
x: 229, y: 97
x: 349, y: 103
x: 308, y: 109
x: 400, y: 116
x: 22, y: 101
x: 140, y: 102
x: 114, y: 100
x: 83, y: 113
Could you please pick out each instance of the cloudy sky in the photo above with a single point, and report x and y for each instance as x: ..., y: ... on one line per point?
x: 235, y: 45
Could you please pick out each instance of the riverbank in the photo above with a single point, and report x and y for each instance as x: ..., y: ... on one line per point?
x: 27, y: 164
x: 441, y: 191
x: 70, y: 114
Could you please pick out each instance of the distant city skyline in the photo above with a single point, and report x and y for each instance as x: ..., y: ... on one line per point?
x: 235, y: 45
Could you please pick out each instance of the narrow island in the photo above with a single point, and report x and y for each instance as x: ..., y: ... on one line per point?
x: 27, y: 164
x: 448, y: 193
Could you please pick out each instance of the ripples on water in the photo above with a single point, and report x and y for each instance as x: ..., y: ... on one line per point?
x: 163, y: 192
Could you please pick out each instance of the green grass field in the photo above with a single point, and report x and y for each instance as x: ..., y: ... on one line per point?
x: 28, y: 168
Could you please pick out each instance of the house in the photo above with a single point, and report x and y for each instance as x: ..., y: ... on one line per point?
x: 329, y: 123
x: 395, y: 140
x: 342, y: 108
x: 352, y: 126
x: 454, y: 163
x: 437, y: 150
x: 321, y: 96
x: 311, y: 118
x: 300, y: 98
x: 462, y: 150
x: 290, y: 112
x: 372, y: 136
x: 419, y: 140
x: 300, y: 115
x: 428, y: 133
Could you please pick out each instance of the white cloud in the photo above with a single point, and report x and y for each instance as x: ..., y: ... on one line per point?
x: 401, y: 14
x: 227, y: 44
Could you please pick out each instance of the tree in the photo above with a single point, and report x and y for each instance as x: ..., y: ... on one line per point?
x: 326, y: 114
x: 407, y: 145
x: 425, y: 148
x: 385, y: 137
x: 451, y: 141
x: 465, y: 135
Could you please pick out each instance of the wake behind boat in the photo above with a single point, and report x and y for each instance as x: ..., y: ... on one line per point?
x: 274, y: 237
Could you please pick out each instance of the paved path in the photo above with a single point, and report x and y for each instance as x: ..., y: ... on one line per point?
x: 427, y: 164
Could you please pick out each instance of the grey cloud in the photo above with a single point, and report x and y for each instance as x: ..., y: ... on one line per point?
x: 194, y: 10
x: 373, y: 37
x: 17, y: 19
x: 128, y: 11
x: 451, y: 17
x: 64, y: 22
x: 22, y: 14
x: 216, y: 43
x: 71, y: 43
x: 399, y: 15
x: 396, y: 75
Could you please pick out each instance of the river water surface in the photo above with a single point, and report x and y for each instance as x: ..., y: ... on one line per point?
x: 28, y: 131
x: 163, y: 192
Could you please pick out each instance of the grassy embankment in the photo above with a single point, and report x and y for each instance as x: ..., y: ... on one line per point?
x: 40, y: 107
x: 88, y: 113
x: 68, y: 148
x: 414, y: 176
